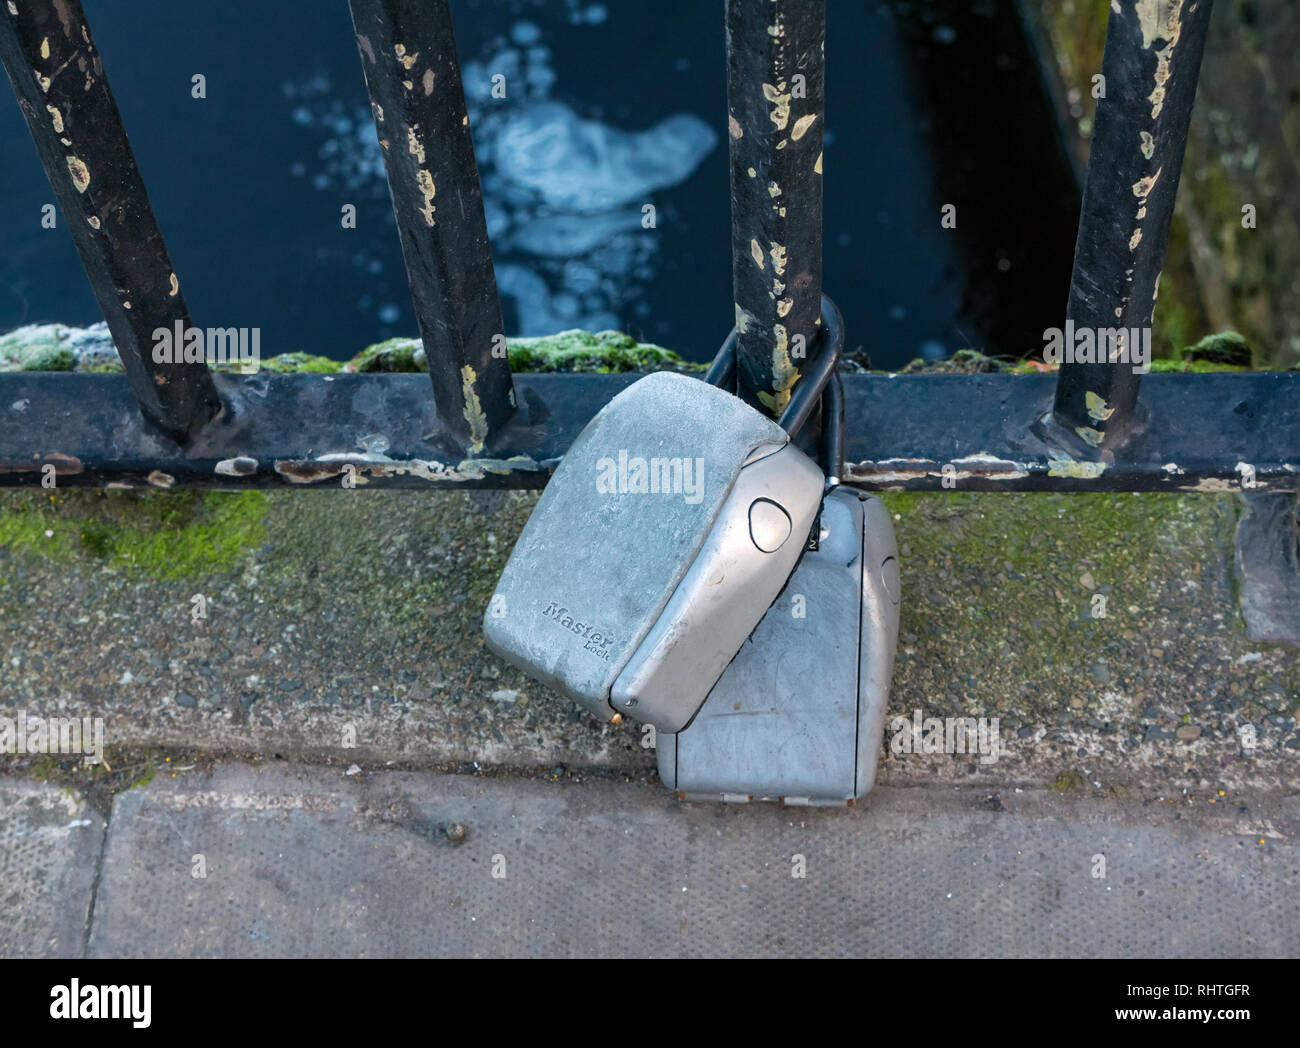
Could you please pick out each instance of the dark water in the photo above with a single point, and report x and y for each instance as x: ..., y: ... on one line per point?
x: 609, y: 107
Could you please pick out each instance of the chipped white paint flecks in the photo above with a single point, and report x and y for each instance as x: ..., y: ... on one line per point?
x: 1160, y: 20
x: 1098, y: 409
x: 779, y: 98
x: 1065, y: 466
x: 778, y: 259
x: 802, y: 126
x: 236, y: 467
x: 1209, y: 484
x: 1143, y: 186
x: 414, y: 145
x: 424, y: 181
x: 478, y: 423
x: 80, y: 173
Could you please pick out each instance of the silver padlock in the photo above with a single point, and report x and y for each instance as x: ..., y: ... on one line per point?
x: 665, y: 534
x: 799, y: 714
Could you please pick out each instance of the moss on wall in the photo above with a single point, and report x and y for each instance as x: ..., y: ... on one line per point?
x: 168, y: 535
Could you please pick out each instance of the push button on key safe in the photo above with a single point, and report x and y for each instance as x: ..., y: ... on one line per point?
x: 769, y: 525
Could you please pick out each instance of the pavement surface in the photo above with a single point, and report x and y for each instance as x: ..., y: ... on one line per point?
x: 50, y: 846
x: 284, y: 860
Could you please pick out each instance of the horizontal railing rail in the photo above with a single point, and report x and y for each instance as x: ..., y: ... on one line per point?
x: 377, y: 431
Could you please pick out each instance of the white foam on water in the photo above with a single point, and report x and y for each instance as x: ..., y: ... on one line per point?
x: 563, y: 193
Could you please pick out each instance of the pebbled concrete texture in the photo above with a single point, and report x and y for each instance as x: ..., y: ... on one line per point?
x: 338, y: 617
x: 310, y: 862
x: 50, y: 842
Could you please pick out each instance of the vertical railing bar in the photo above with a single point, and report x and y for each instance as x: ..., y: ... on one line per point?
x: 418, y: 101
x: 59, y: 80
x: 776, y: 108
x: 1150, y: 68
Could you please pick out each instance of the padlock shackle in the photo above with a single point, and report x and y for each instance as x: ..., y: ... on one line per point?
x: 833, y: 431
x: 722, y: 372
x: 820, y: 383
x: 816, y: 378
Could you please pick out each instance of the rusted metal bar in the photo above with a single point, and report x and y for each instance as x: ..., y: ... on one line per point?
x: 1214, y: 432
x: 59, y: 80
x: 418, y: 101
x: 776, y: 101
x: 1150, y: 67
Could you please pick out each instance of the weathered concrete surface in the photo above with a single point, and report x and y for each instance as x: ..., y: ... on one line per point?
x: 50, y: 841
x: 345, y: 612
x: 309, y: 862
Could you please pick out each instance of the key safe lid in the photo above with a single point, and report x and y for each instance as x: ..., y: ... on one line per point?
x: 623, y: 521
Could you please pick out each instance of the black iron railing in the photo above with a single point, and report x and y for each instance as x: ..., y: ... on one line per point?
x: 177, y: 424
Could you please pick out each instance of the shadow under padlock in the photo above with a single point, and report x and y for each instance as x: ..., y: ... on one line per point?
x: 666, y: 533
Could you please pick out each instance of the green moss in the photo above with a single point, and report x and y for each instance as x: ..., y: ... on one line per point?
x: 145, y: 778
x: 48, y: 358
x: 395, y: 354
x: 1195, y: 366
x: 299, y: 362
x: 37, y: 349
x: 166, y: 534
x: 1228, y: 347
x: 603, y: 351
x: 1066, y: 781
x: 44, y: 768
x: 963, y: 362
x: 903, y: 501
x: 1005, y: 572
x: 573, y: 351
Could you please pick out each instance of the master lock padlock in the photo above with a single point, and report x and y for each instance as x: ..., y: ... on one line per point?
x: 798, y: 716
x: 668, y: 529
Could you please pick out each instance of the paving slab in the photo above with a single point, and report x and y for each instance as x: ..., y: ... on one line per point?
x: 50, y: 842
x: 279, y: 860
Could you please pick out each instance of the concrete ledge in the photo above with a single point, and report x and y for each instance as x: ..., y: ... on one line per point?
x: 345, y: 627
